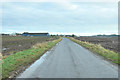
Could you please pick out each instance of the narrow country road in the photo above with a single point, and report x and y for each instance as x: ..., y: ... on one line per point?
x: 69, y: 60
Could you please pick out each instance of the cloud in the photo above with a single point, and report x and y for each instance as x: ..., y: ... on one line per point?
x: 68, y: 5
x: 60, y: 17
x: 59, y: 0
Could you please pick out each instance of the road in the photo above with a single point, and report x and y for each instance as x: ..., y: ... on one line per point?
x: 69, y: 60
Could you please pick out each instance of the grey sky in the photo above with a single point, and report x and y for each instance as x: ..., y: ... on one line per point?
x: 81, y: 18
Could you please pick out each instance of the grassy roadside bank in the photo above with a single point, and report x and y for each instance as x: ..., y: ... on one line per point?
x: 23, y: 58
x: 96, y: 48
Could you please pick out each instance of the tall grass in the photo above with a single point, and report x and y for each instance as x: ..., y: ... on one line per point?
x: 97, y: 48
x: 23, y: 58
x: 0, y: 66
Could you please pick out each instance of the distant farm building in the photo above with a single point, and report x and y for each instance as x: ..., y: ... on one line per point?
x: 35, y: 34
x: 5, y: 34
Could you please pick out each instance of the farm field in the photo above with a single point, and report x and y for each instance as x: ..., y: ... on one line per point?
x: 110, y: 43
x: 14, y: 44
x: 34, y: 47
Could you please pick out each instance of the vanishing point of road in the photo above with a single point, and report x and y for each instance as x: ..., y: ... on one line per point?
x: 69, y: 60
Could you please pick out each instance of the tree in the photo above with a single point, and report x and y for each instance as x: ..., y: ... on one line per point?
x: 73, y: 35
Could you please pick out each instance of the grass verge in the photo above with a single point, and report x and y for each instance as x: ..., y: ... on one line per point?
x: 0, y: 71
x: 97, y: 48
x: 12, y: 62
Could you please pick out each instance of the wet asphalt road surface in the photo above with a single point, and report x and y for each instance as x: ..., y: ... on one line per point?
x: 69, y: 60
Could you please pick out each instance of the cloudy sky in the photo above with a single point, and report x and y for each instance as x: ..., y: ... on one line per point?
x: 80, y: 18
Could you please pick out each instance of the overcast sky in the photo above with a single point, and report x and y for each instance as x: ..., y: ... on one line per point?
x: 81, y: 18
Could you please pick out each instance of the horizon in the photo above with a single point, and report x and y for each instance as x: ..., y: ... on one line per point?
x: 55, y: 33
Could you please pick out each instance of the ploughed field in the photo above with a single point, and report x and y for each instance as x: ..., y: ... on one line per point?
x: 110, y: 43
x: 13, y: 44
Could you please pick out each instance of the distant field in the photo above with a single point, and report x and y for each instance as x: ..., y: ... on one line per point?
x: 110, y: 43
x: 13, y: 44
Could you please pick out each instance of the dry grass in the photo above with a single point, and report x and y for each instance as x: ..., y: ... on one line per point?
x: 40, y: 45
x: 97, y: 48
x: 1, y: 56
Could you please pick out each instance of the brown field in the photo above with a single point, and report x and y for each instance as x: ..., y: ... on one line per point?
x: 110, y: 43
x: 13, y: 44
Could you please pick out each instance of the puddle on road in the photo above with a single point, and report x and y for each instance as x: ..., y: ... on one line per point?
x: 37, y: 63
